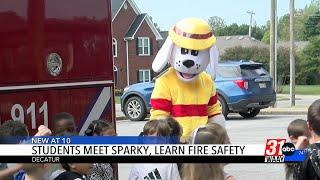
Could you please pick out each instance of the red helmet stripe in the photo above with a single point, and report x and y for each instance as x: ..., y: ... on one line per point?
x: 192, y: 36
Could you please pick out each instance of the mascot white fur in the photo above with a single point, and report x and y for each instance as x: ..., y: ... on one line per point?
x: 185, y: 91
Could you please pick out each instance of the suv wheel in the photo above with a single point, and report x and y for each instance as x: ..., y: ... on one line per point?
x: 224, y: 106
x: 250, y: 114
x: 135, y: 109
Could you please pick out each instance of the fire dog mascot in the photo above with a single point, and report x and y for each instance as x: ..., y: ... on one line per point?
x: 185, y: 91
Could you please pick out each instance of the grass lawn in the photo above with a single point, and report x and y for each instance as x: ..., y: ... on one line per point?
x: 117, y: 99
x: 303, y: 89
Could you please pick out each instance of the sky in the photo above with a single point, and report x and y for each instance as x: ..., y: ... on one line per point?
x: 167, y: 12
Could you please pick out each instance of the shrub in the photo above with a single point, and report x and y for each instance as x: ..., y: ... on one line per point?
x: 118, y: 92
x: 310, y: 62
x: 262, y: 55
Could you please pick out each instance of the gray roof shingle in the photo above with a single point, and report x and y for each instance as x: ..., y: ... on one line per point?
x: 164, y: 35
x: 115, y: 6
x: 135, y: 25
x: 225, y: 42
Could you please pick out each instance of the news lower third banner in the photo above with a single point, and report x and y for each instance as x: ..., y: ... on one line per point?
x: 119, y: 149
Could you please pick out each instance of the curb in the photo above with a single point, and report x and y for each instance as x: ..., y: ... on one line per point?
x: 119, y: 118
x: 283, y: 112
x: 263, y: 112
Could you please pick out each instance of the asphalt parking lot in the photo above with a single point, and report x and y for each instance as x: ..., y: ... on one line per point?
x: 241, y: 131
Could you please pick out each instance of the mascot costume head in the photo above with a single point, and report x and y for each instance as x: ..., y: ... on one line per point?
x: 190, y: 48
x: 185, y: 91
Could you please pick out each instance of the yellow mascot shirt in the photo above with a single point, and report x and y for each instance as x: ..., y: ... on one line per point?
x: 190, y: 103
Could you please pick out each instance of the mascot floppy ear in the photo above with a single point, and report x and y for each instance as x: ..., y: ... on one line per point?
x: 214, y: 57
x: 163, y: 56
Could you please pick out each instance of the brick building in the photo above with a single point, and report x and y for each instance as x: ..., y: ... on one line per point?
x: 134, y: 43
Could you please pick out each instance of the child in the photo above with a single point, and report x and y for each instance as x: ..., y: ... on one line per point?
x: 155, y: 171
x: 17, y: 129
x: 13, y: 128
x: 75, y: 171
x: 56, y: 169
x: 296, y: 129
x: 64, y: 122
x: 7, y: 129
x: 209, y: 134
x: 101, y: 171
x: 156, y: 128
x: 310, y: 169
x: 100, y: 128
x: 175, y: 130
x: 35, y: 171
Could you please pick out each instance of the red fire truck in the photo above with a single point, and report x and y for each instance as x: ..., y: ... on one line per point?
x: 56, y: 56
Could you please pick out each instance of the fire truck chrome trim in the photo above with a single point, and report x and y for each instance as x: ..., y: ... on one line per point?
x: 41, y: 86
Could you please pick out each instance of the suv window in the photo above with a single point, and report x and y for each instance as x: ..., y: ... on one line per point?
x: 228, y: 71
x: 253, y: 70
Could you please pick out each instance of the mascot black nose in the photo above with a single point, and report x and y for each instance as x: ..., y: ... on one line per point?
x: 188, y: 63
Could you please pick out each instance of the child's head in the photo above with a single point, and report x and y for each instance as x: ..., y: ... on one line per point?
x: 175, y: 130
x: 156, y: 128
x: 13, y: 128
x: 202, y: 171
x: 36, y: 170
x: 80, y: 168
x: 175, y: 127
x: 64, y: 122
x: 210, y: 134
x: 314, y: 118
x: 297, y: 128
x: 100, y: 128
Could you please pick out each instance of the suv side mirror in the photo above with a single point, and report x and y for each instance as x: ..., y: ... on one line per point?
x: 153, y: 79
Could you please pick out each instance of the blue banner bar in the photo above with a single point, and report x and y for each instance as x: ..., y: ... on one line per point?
x: 297, y: 156
x: 90, y: 140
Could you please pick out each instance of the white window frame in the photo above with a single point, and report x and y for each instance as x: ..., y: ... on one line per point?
x: 143, y: 46
x: 114, y: 47
x: 144, y: 75
x: 116, y: 79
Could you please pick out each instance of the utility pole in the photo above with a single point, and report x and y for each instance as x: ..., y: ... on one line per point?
x: 292, y: 60
x: 272, y: 40
x: 276, y: 48
x: 250, y: 25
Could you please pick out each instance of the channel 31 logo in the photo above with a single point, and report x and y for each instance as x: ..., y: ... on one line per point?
x: 276, y: 148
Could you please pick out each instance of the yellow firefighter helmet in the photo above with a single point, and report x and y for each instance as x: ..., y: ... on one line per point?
x: 192, y: 33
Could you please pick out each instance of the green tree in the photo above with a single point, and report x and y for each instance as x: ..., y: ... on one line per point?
x: 284, y: 28
x: 312, y: 25
x: 301, y: 16
x: 258, y: 32
x: 262, y: 55
x: 247, y: 53
x: 216, y: 23
x: 310, y: 63
x: 266, y: 37
x: 235, y: 29
x: 220, y: 28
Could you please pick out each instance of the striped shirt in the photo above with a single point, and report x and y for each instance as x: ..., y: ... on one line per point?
x: 190, y: 103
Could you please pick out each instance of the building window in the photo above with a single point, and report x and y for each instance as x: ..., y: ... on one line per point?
x: 144, y: 75
x: 143, y: 46
x: 114, y: 47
